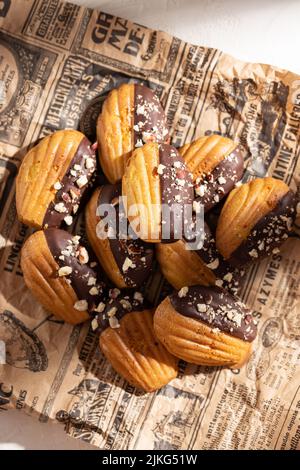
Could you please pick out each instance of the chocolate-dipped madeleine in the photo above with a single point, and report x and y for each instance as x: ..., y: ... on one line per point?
x: 61, y: 274
x: 127, y: 340
x: 131, y: 116
x: 126, y: 261
x: 255, y: 220
x: 217, y: 164
x: 52, y: 179
x: 155, y: 182
x: 182, y: 266
x: 206, y: 326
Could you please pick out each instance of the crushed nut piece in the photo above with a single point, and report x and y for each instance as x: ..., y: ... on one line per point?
x: 68, y: 219
x: 94, y: 291
x: 81, y: 305
x: 201, y: 307
x: 113, y: 322
x: 64, y: 271
x: 81, y: 181
x: 183, y: 291
x: 83, y: 255
x: 57, y: 185
x: 127, y: 264
x: 60, y: 207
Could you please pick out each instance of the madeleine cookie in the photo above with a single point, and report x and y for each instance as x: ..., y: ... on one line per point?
x: 206, y: 326
x: 52, y: 179
x: 255, y: 220
x: 217, y: 165
x: 126, y: 261
x: 61, y: 275
x: 127, y: 340
x: 131, y: 116
x: 157, y: 186
x: 182, y: 266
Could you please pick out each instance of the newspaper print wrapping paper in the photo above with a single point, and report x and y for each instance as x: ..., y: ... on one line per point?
x: 56, y: 60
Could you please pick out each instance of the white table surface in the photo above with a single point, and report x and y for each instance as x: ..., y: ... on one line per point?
x: 254, y: 30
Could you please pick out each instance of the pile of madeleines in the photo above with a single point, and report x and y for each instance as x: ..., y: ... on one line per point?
x: 201, y: 321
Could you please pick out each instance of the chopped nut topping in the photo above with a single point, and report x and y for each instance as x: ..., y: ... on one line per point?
x: 138, y: 296
x: 216, y: 330
x: 228, y: 277
x: 201, y: 308
x: 160, y: 169
x: 253, y: 253
x: 75, y: 208
x: 100, y: 308
x: 183, y: 291
x: 89, y: 163
x: 196, y: 207
x: 57, y: 185
x: 74, y: 195
x: 113, y: 322
x: 114, y: 293
x: 200, y: 190
x: 94, y: 291
x: 91, y: 281
x: 77, y: 167
x: 180, y: 182
x: 81, y: 181
x: 127, y: 264
x: 60, y: 207
x: 64, y: 271
x: 76, y: 239
x: 126, y: 304
x: 213, y: 264
x: 83, y: 255
x: 94, y: 324
x: 112, y: 312
x: 221, y: 180
x: 139, y: 143
x: 68, y: 219
x: 81, y: 305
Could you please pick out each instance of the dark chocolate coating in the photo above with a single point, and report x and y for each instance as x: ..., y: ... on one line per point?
x: 140, y: 253
x: 227, y: 276
x: 230, y: 169
x: 54, y: 218
x: 149, y: 117
x: 124, y: 303
x: 59, y: 241
x: 176, y: 189
x: 269, y: 232
x: 88, y: 120
x: 218, y: 309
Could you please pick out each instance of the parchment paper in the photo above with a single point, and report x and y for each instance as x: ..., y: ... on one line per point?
x: 55, y: 60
